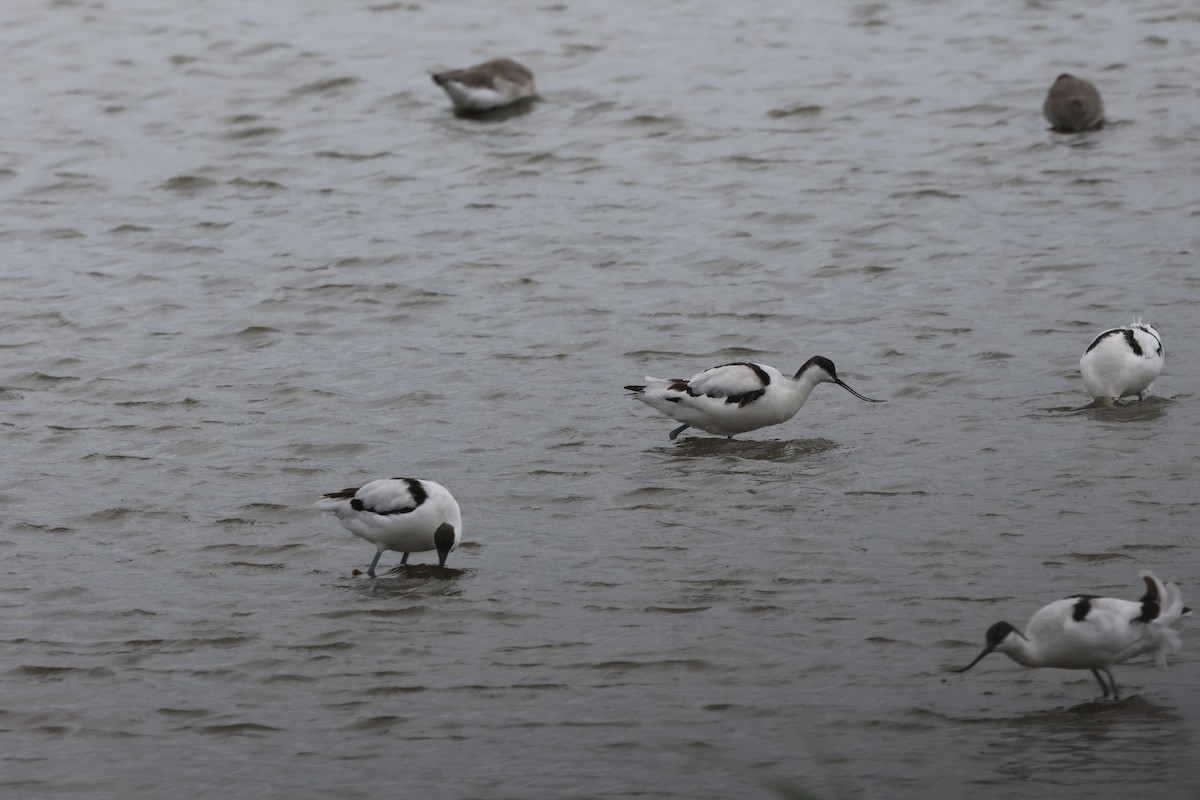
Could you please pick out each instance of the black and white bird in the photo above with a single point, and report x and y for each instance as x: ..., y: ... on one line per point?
x: 487, y: 86
x: 1122, y: 362
x: 1073, y: 105
x: 738, y: 397
x: 1095, y: 633
x: 402, y: 514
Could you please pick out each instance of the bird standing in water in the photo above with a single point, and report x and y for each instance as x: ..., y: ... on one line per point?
x: 1122, y: 362
x: 738, y: 397
x: 403, y: 514
x: 1094, y: 633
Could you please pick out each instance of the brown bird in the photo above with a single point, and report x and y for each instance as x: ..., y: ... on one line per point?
x: 485, y: 86
x: 1073, y: 105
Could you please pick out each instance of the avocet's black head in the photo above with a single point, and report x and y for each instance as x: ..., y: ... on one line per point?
x: 995, y: 636
x: 823, y: 371
x: 822, y: 362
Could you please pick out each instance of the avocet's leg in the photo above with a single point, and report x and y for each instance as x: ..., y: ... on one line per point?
x: 1113, y: 683
x: 678, y: 431
x: 404, y: 559
x: 1106, y: 687
x: 374, y: 561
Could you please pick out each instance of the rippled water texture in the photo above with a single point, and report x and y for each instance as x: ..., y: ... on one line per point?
x: 250, y: 256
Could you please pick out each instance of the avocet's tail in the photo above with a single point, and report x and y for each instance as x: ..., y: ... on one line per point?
x: 650, y: 382
x: 336, y: 500
x: 1162, y: 607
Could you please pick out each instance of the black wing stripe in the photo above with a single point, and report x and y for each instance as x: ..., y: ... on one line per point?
x: 415, y: 489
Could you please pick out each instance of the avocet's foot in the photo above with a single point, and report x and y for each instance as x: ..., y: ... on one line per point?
x: 678, y: 431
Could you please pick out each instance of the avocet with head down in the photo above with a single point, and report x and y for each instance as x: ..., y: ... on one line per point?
x: 1122, y: 362
x: 738, y: 397
x: 1095, y: 633
x: 403, y: 514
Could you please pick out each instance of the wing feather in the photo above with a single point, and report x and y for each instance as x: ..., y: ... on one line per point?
x: 390, y: 496
x: 729, y: 381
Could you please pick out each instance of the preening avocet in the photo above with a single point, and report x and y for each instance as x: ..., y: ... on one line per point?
x: 1122, y: 362
x: 403, y: 514
x: 738, y: 397
x: 1073, y: 105
x: 1096, y: 633
x: 485, y: 86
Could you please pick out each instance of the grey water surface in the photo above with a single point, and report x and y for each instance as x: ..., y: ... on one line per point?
x: 250, y: 256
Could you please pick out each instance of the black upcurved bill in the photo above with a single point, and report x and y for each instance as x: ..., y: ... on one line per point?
x: 842, y: 384
x: 978, y: 658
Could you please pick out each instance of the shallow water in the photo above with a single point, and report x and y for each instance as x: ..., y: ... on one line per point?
x: 251, y: 256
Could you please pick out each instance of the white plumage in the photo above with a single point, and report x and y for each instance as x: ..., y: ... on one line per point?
x: 402, y: 514
x: 1095, y: 633
x: 1122, y: 362
x: 738, y: 397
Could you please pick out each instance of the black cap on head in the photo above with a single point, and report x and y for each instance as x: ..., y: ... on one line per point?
x: 995, y: 635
